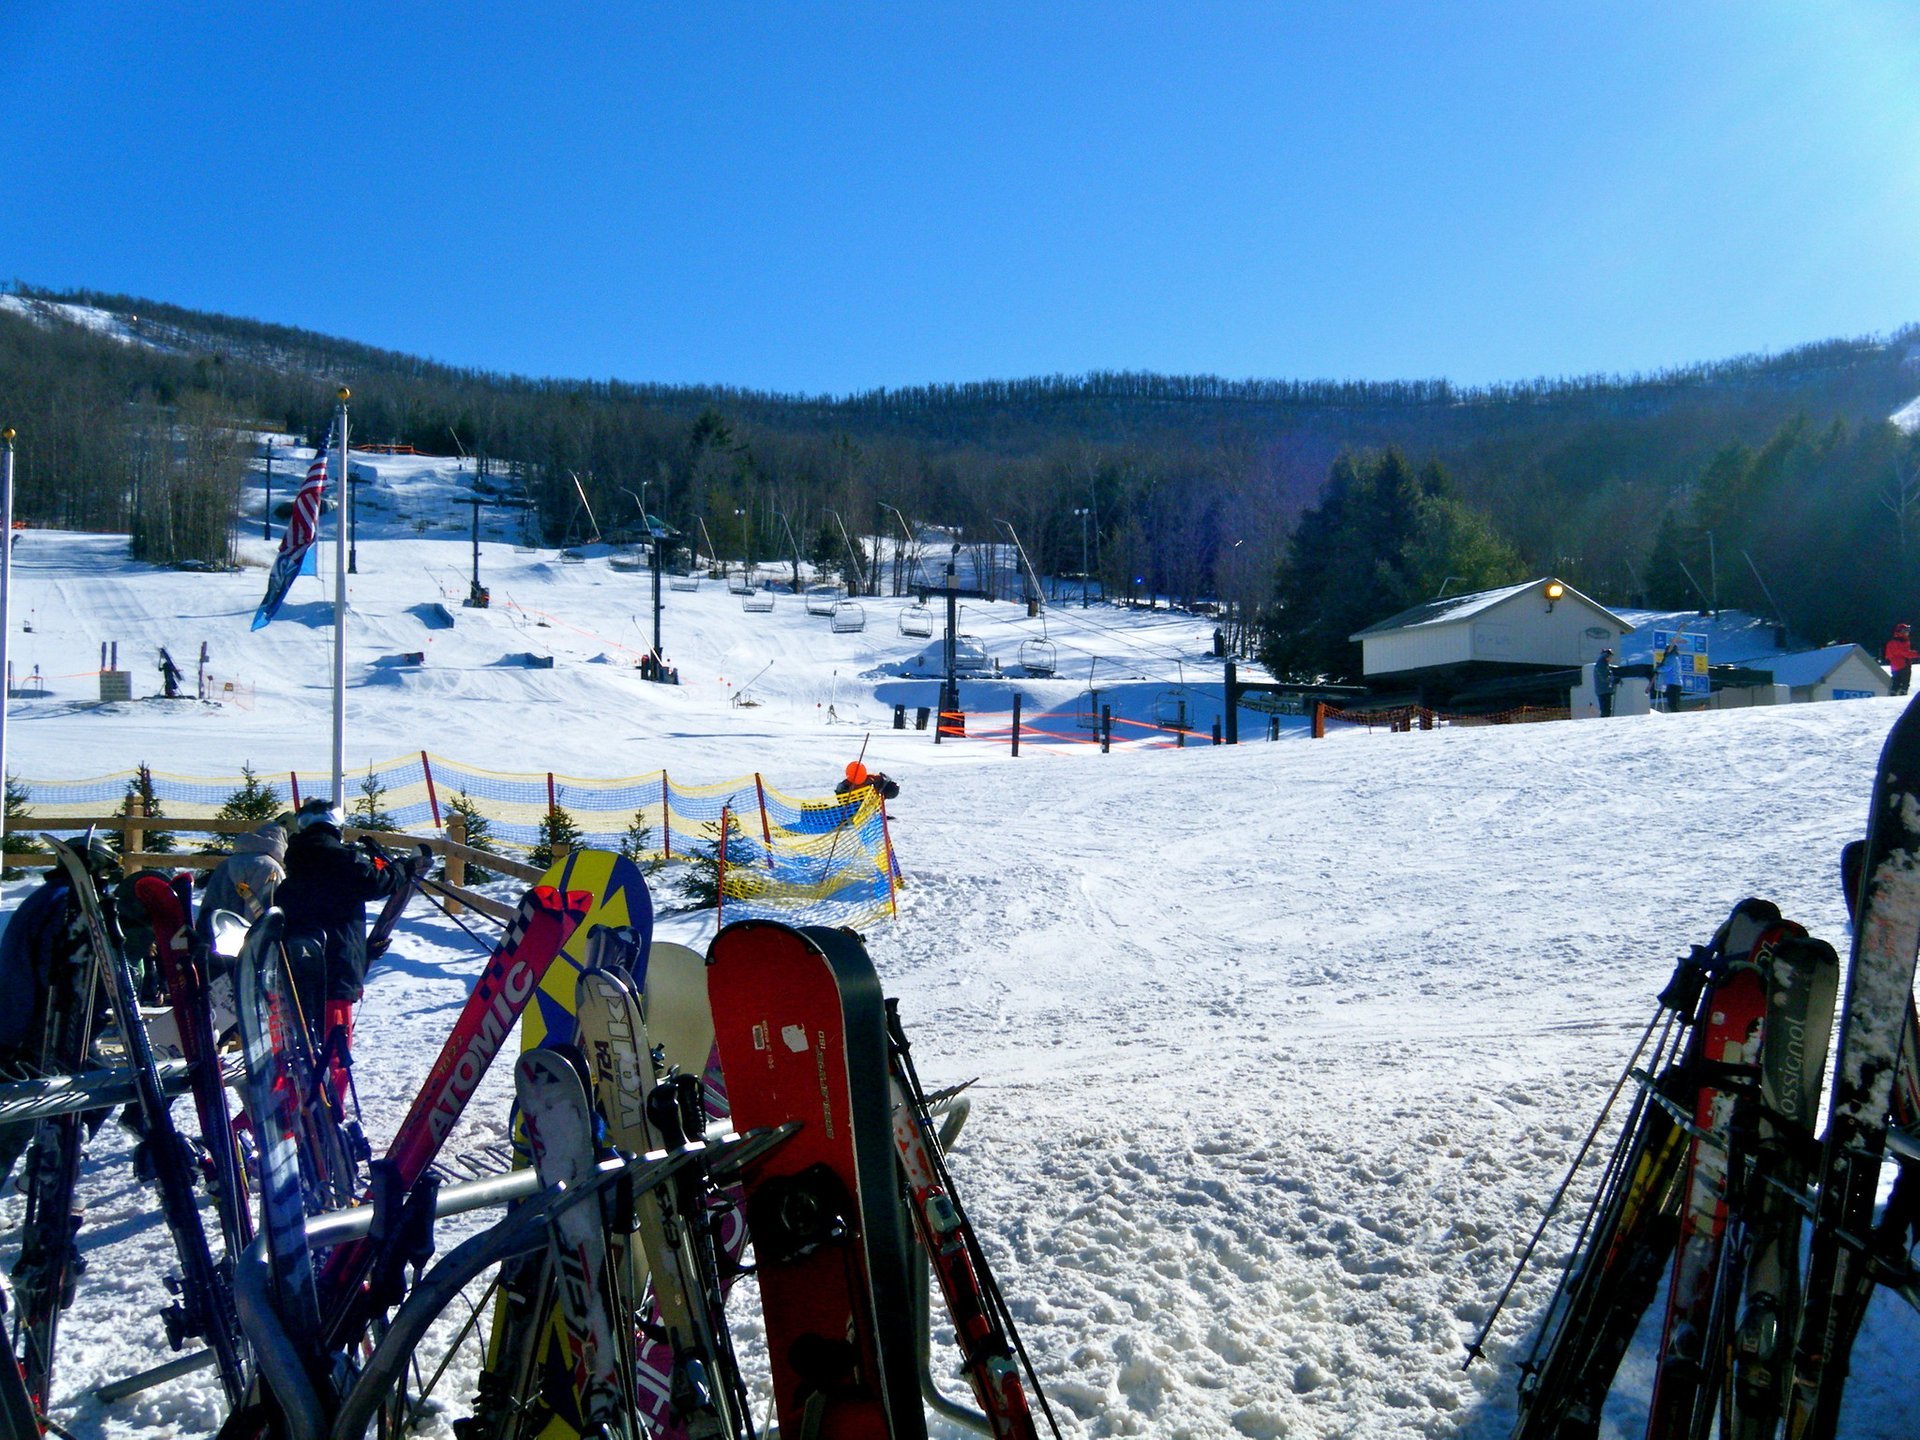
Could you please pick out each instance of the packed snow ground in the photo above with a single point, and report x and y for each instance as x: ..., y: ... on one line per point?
x: 1280, y: 1048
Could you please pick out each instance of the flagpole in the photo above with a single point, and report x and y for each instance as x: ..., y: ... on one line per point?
x: 340, y: 613
x: 6, y: 592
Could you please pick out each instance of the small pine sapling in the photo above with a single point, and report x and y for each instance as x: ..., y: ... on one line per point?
x: 368, y: 812
x: 558, y: 832
x: 477, y: 830
x: 142, y: 801
x: 254, y: 802
x: 636, y: 844
x: 18, y: 829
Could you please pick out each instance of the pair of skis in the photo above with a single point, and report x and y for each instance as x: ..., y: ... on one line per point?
x: 323, y: 1311
x: 205, y: 1305
x: 1717, y: 1155
x: 805, y: 1035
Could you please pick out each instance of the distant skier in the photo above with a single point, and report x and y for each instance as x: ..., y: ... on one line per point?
x: 324, y: 898
x: 1606, y: 680
x: 1669, y: 674
x: 1899, y: 655
x: 169, y: 675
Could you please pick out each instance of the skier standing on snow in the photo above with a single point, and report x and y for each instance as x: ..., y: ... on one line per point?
x: 324, y: 898
x: 1669, y: 672
x: 1899, y: 655
x: 246, y: 880
x: 1605, y: 682
x: 169, y: 675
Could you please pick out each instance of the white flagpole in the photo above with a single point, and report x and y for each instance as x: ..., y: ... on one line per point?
x: 6, y: 590
x: 340, y: 610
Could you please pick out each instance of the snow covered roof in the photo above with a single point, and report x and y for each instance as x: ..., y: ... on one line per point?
x: 1453, y: 608
x: 1734, y: 637
x: 1810, y: 667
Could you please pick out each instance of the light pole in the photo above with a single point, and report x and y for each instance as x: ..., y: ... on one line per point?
x: 353, y: 523
x: 1083, y: 513
x: 266, y: 514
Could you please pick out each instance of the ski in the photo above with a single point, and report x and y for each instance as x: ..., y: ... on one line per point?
x: 261, y: 997
x: 983, y: 1326
x: 205, y: 1306
x: 184, y: 965
x: 544, y: 922
x: 591, y: 1390
x: 802, y: 1034
x: 1803, y: 982
x: 1630, y: 1231
x: 49, y: 1265
x: 1726, y: 1069
x: 1873, y: 1026
x: 684, y: 1372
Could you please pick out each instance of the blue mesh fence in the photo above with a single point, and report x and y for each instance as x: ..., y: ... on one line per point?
x: 825, y: 860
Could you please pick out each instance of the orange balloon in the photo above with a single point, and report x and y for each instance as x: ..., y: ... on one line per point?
x: 856, y: 773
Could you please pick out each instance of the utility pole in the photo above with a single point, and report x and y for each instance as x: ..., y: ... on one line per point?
x: 1083, y: 513
x: 950, y: 690
x: 266, y: 514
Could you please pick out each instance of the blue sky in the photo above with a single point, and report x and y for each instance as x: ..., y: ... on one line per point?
x: 827, y: 198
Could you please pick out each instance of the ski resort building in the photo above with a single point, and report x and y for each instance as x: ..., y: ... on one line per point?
x: 1519, y: 644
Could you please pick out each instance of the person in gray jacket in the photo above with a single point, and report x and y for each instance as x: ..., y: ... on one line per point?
x: 244, y: 882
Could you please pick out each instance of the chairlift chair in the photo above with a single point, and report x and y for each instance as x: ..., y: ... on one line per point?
x: 849, y: 618
x: 916, y: 621
x: 1038, y: 658
x: 757, y: 602
x: 1170, y: 708
x: 823, y: 599
x: 689, y: 581
x: 741, y: 584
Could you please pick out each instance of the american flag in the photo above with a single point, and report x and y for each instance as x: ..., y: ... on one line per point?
x: 303, y: 527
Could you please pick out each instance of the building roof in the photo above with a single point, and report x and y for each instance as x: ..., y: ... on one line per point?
x: 1734, y: 637
x: 1453, y: 608
x: 1811, y: 667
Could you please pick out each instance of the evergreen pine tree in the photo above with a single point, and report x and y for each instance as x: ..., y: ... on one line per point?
x: 699, y: 882
x: 141, y: 799
x: 478, y: 831
x: 557, y: 829
x: 368, y: 813
x: 254, y: 802
x: 19, y: 832
x: 636, y: 843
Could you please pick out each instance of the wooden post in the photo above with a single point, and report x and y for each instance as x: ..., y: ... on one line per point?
x: 456, y: 864
x: 666, y: 819
x: 133, y: 839
x: 760, y: 789
x: 1216, y: 731
x: 433, y: 798
x: 720, y: 872
x: 1233, y: 704
x: 1106, y: 729
x: 1319, y: 720
x: 1016, y: 724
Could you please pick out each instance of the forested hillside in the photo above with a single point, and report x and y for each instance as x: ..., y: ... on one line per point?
x: 1190, y: 485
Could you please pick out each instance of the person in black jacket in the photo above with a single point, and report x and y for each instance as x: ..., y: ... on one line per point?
x: 324, y: 898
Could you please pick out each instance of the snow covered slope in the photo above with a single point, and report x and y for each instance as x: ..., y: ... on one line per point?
x: 1280, y: 1048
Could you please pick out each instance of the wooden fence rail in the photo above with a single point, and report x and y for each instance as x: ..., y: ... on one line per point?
x: 133, y: 830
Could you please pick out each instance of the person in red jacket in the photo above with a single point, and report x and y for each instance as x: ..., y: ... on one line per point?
x: 1899, y: 655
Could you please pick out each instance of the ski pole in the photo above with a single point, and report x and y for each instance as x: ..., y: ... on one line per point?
x: 1474, y: 1351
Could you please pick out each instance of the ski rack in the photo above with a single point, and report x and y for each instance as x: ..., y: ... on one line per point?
x: 23, y: 1102
x: 724, y: 1152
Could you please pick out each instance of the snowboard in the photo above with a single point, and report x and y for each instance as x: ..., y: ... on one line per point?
x: 587, y: 1383
x: 802, y: 1033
